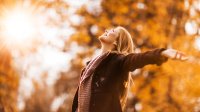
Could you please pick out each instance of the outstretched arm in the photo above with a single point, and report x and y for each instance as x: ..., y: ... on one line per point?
x: 157, y: 56
x: 133, y: 61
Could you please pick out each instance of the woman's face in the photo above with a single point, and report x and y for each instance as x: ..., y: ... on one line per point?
x: 109, y: 36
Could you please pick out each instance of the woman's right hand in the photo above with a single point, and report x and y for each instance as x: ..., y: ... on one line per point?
x: 174, y: 54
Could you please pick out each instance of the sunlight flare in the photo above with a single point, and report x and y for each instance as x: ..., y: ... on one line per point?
x: 17, y: 27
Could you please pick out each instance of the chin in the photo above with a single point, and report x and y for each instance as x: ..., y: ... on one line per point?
x: 104, y: 41
x: 101, y: 38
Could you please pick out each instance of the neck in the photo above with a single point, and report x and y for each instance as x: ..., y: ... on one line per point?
x: 106, y: 48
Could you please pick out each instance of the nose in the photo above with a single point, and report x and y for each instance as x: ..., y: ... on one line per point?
x: 106, y: 31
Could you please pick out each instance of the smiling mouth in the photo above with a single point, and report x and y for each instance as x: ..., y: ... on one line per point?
x: 104, y: 35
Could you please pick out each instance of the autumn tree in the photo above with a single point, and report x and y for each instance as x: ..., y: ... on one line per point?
x: 9, y: 81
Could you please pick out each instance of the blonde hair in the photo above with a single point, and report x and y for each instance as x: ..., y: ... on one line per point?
x: 124, y: 44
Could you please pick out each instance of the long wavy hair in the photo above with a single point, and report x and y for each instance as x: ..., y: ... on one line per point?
x: 124, y: 44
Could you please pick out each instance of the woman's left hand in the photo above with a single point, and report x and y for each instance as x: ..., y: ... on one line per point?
x: 174, y: 54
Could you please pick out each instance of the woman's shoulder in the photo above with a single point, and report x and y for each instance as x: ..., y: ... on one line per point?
x: 117, y: 55
x: 112, y: 54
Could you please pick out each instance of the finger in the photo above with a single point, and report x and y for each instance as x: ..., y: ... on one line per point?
x: 185, y: 58
x: 182, y: 57
x: 176, y: 55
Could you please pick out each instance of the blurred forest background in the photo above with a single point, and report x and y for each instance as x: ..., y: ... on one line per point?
x: 44, y: 44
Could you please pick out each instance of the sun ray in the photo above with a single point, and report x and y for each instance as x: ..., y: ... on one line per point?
x: 17, y: 26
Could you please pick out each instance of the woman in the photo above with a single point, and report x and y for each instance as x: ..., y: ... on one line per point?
x: 104, y: 81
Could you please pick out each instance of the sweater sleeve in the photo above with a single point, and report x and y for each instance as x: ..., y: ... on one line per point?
x: 133, y: 61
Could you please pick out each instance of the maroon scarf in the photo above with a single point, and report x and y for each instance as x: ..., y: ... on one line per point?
x: 84, y: 93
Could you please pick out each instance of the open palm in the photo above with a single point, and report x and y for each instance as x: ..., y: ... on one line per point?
x: 174, y: 54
